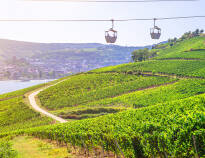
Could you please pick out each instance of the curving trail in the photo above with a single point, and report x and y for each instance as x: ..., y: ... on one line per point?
x: 35, y: 106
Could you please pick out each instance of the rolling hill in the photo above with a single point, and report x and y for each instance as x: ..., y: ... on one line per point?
x: 154, y: 108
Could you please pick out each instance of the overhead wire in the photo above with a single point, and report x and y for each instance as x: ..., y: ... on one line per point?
x: 98, y: 20
x: 111, y: 39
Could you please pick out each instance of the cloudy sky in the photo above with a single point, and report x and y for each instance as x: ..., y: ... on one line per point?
x: 130, y: 33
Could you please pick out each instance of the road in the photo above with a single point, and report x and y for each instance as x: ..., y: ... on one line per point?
x: 35, y: 106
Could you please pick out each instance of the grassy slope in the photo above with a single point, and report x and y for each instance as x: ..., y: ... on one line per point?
x: 183, y: 49
x: 29, y: 147
x: 15, y: 114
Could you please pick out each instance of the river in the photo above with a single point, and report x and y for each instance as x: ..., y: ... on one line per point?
x: 13, y: 85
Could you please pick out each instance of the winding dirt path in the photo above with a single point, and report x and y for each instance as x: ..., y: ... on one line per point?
x: 33, y: 102
x: 35, y: 106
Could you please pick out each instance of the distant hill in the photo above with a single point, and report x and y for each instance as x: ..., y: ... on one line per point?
x: 10, y: 48
x: 64, y: 58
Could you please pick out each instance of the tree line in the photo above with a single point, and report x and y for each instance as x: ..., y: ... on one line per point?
x: 143, y: 54
x: 187, y: 35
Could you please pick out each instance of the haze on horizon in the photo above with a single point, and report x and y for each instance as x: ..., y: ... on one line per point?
x: 129, y: 33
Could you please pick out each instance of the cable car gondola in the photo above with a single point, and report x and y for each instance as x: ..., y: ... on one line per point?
x: 155, y: 32
x: 111, y: 34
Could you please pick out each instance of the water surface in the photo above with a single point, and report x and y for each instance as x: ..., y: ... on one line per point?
x: 13, y: 85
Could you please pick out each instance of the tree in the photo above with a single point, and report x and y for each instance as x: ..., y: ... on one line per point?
x: 140, y: 54
x: 143, y: 54
x: 196, y: 33
x: 190, y: 34
x: 175, y: 39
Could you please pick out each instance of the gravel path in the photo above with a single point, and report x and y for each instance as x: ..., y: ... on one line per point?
x: 35, y: 106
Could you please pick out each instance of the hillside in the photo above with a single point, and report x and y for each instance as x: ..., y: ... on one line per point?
x: 153, y: 108
x: 193, y: 48
x: 55, y: 60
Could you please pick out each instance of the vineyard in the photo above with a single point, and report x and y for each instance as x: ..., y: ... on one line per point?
x: 153, y: 131
x: 152, y: 108
x: 194, y: 54
x: 181, y: 68
x: 193, y: 48
x: 6, y: 150
x: 15, y: 114
x: 179, y: 90
x: 86, y: 88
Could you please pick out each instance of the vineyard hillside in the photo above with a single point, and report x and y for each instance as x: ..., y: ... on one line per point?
x: 152, y: 108
x: 193, y: 48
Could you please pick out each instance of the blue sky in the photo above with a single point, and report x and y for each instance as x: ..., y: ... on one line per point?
x: 130, y: 33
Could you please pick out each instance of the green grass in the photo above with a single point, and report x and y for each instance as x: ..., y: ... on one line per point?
x: 29, y: 147
x: 86, y: 88
x: 182, y: 89
x: 15, y: 114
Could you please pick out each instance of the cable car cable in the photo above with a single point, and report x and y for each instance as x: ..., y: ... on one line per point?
x: 111, y: 34
x: 96, y: 20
